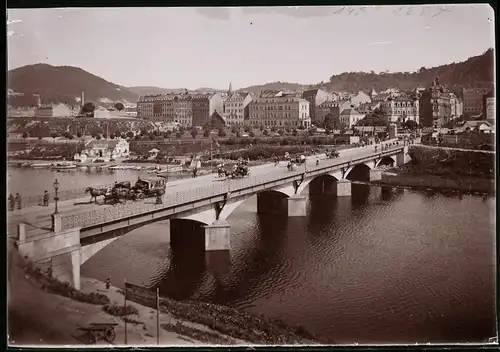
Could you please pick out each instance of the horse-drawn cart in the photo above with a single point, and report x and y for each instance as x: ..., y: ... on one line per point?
x: 151, y: 187
x: 99, y: 331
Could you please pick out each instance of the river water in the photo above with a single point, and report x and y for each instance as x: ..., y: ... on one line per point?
x: 383, y: 266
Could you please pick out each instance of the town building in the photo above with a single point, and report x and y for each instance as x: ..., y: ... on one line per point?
x: 457, y: 106
x: 331, y: 107
x: 473, y: 100
x: 360, y: 98
x: 183, y: 108
x: 279, y: 109
x: 131, y: 111
x: 350, y: 117
x: 316, y: 97
x: 489, y: 105
x: 21, y: 112
x: 101, y: 112
x: 236, y: 108
x: 56, y: 110
x: 435, y: 106
x: 106, y: 149
x: 401, y: 108
x: 476, y: 125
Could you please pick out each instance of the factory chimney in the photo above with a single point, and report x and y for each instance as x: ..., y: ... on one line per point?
x: 82, y: 101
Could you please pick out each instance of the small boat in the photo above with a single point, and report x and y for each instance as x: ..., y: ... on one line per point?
x: 41, y: 165
x: 64, y: 165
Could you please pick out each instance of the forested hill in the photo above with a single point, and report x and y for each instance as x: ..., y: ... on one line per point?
x: 477, y: 71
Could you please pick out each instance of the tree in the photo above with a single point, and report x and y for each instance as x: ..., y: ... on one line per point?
x: 129, y: 134
x: 194, y: 132
x: 410, y: 124
x: 112, y: 136
x: 234, y: 129
x: 98, y: 137
x: 54, y: 135
x: 152, y: 136
x: 251, y: 134
x: 247, y: 129
x: 143, y: 131
x: 273, y: 129
x: 312, y: 131
x: 178, y: 134
x: 331, y: 123
x: 123, y: 136
x: 119, y: 106
x: 281, y: 132
x: 105, y: 135
x: 182, y: 130
x: 167, y: 134
x: 222, y: 133
x: 88, y: 109
x: 265, y: 133
x: 295, y: 132
x: 206, y: 133
x: 25, y: 135
x: 79, y: 134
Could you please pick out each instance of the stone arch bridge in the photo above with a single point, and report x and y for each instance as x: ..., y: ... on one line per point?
x: 77, y: 235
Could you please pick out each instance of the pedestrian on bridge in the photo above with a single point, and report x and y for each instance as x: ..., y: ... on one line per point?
x: 12, y: 202
x: 46, y: 199
x: 18, y: 201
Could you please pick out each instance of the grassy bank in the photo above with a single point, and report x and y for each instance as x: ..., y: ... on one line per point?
x: 181, y: 321
x: 425, y: 181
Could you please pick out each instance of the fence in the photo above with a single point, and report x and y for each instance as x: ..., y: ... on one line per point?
x: 176, y: 198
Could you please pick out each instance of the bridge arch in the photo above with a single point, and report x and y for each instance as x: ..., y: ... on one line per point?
x: 386, y: 161
x: 359, y: 172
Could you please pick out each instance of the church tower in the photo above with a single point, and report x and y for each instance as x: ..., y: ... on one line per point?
x: 230, y: 89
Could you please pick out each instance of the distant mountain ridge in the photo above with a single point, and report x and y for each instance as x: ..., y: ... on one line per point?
x: 65, y: 83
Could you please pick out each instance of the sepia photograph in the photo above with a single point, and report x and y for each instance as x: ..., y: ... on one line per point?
x: 251, y: 176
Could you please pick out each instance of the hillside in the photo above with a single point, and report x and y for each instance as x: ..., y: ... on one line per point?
x: 477, y: 71
x: 275, y: 86
x: 150, y: 90
x: 65, y: 84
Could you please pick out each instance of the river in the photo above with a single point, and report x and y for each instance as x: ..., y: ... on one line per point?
x: 383, y: 266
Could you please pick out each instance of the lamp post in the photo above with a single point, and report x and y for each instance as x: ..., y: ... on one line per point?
x: 56, y: 198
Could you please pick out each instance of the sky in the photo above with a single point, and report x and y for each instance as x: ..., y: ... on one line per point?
x: 210, y: 47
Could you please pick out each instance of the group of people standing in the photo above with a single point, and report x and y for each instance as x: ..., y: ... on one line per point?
x: 16, y: 202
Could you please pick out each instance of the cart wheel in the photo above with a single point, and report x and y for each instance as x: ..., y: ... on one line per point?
x: 141, y: 196
x: 110, y: 335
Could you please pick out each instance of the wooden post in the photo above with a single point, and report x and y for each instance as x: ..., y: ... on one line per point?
x: 157, y: 316
x: 125, y: 307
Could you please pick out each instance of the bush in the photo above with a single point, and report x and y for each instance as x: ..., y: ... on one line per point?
x: 119, y: 311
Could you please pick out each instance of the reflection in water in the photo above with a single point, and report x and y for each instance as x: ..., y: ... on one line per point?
x: 385, y: 265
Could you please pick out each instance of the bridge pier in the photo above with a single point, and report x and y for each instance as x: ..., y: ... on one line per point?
x: 218, y: 236
x: 375, y: 175
x: 343, y: 188
x: 297, y: 205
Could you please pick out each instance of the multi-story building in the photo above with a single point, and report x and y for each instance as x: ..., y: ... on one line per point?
x: 183, y: 108
x: 201, y: 109
x: 350, y: 117
x: 489, y: 105
x: 360, y: 98
x: 457, y: 107
x: 57, y: 110
x: 236, y: 108
x: 316, y: 97
x: 21, y: 112
x: 401, y: 108
x: 331, y: 107
x: 278, y: 109
x: 473, y: 100
x: 435, y: 106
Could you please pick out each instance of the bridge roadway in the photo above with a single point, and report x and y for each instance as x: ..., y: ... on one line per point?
x: 79, y: 213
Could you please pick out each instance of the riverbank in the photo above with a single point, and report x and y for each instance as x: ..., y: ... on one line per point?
x: 54, y: 316
x: 395, y: 177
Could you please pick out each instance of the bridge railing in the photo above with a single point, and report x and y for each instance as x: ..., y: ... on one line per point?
x: 62, y: 195
x: 175, y: 198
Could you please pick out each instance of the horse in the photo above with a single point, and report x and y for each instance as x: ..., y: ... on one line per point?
x: 95, y: 192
